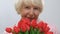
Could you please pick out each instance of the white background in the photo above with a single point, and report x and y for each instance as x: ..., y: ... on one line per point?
x: 9, y: 16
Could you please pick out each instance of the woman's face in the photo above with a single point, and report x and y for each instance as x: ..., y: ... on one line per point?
x: 30, y: 11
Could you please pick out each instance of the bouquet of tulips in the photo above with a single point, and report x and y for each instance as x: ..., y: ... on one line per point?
x: 25, y: 26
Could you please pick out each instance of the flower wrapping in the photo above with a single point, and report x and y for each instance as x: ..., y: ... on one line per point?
x: 25, y: 26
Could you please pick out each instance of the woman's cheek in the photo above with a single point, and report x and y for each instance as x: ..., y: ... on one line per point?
x: 37, y: 13
x: 24, y: 13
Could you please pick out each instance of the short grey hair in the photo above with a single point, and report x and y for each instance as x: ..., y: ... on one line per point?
x: 18, y: 4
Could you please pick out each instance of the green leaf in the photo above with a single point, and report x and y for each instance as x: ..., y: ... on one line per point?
x: 37, y: 31
x: 32, y: 30
x: 21, y: 32
x: 27, y: 32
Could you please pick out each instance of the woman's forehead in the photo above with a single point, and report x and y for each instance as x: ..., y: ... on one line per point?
x: 30, y: 5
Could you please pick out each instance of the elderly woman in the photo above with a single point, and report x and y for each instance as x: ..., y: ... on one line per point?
x: 29, y: 9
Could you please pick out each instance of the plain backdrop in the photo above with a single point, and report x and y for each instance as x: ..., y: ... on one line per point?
x: 9, y: 16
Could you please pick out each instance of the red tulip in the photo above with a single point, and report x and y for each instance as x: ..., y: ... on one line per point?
x: 34, y: 23
x: 23, y: 28
x: 28, y: 27
x: 24, y: 21
x: 24, y: 24
x: 19, y: 24
x: 9, y: 30
x: 44, y: 25
x: 16, y: 29
x: 46, y: 29
x: 49, y: 33
x: 40, y: 24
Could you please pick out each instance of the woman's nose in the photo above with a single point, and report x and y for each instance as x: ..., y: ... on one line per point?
x: 31, y: 12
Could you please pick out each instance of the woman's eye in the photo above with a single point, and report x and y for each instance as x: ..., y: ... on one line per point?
x: 36, y: 8
x: 27, y: 7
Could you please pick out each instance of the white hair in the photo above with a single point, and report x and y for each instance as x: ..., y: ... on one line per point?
x: 18, y: 3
